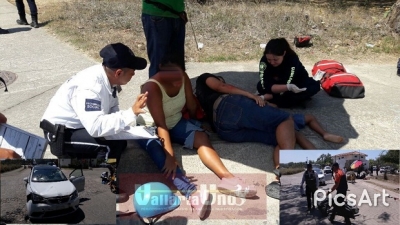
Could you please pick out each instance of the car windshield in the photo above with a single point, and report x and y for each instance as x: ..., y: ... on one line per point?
x: 48, y: 175
x: 318, y: 171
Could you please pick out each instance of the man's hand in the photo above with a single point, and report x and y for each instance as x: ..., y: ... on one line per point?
x: 140, y: 103
x: 294, y: 88
x: 8, y: 154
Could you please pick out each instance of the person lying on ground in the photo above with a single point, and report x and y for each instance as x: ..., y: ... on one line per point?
x: 240, y: 116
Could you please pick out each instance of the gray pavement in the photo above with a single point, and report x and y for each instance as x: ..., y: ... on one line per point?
x: 43, y: 62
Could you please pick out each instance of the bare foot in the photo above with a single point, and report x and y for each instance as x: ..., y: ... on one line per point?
x: 333, y: 138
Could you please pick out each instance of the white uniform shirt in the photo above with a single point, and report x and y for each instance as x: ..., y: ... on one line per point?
x: 86, y: 101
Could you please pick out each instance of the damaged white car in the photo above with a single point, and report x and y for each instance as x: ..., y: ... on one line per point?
x: 50, y: 193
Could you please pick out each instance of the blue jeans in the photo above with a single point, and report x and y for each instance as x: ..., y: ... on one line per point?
x: 21, y: 7
x: 165, y: 37
x: 240, y: 119
x: 182, y: 133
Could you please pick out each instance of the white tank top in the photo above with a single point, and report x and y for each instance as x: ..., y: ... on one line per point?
x: 172, y: 107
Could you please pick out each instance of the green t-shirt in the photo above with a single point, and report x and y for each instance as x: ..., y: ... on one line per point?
x: 153, y: 10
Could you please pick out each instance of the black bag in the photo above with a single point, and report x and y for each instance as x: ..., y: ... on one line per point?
x: 345, y: 211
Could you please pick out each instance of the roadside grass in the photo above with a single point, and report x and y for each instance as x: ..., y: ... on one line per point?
x: 290, y: 171
x: 10, y: 164
x: 230, y: 30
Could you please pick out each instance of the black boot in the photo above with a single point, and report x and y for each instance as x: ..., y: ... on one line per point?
x: 22, y: 20
x: 398, y: 68
x: 34, y: 23
x: 3, y: 31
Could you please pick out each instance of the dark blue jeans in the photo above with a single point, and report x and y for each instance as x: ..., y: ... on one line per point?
x: 164, y: 36
x: 21, y: 7
x: 240, y: 119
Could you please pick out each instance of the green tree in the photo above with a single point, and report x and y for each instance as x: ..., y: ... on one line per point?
x: 391, y: 156
x: 325, y: 159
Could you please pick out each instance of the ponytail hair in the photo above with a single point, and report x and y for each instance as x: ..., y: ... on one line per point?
x: 279, y: 46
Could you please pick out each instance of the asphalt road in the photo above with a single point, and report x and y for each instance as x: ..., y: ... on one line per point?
x: 293, y: 207
x: 97, y: 203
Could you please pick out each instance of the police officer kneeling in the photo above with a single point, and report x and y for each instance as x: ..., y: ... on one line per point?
x: 312, y: 183
x: 87, y: 104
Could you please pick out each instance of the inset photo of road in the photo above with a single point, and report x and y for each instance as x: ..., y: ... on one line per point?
x: 339, y: 187
x: 49, y: 191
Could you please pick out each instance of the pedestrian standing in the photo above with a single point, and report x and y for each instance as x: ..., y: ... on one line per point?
x: 164, y: 27
x: 311, y: 179
x: 21, y: 12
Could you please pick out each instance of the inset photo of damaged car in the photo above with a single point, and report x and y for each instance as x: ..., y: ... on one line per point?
x: 50, y: 193
x: 55, y: 191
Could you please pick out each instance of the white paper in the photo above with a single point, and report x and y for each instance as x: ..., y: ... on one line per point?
x: 137, y: 132
x: 318, y: 75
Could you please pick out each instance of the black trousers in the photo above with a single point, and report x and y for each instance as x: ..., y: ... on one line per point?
x: 337, y: 208
x: 85, y: 146
x: 21, y: 7
x: 289, y: 99
x: 310, y: 196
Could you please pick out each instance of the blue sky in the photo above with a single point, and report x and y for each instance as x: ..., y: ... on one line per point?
x: 300, y: 155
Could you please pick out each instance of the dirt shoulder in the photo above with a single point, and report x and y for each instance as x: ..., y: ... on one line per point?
x: 391, y: 184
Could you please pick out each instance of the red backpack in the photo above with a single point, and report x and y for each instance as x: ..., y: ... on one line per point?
x: 337, y: 82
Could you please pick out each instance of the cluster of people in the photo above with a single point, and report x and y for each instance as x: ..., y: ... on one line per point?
x: 310, y: 178
x: 87, y: 105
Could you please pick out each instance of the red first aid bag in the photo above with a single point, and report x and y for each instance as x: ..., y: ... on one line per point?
x: 343, y: 85
x: 336, y: 81
x: 328, y: 66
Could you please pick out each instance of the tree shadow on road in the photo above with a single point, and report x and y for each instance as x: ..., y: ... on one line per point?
x: 293, y: 207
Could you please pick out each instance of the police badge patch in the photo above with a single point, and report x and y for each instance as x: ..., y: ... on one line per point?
x: 92, y: 105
